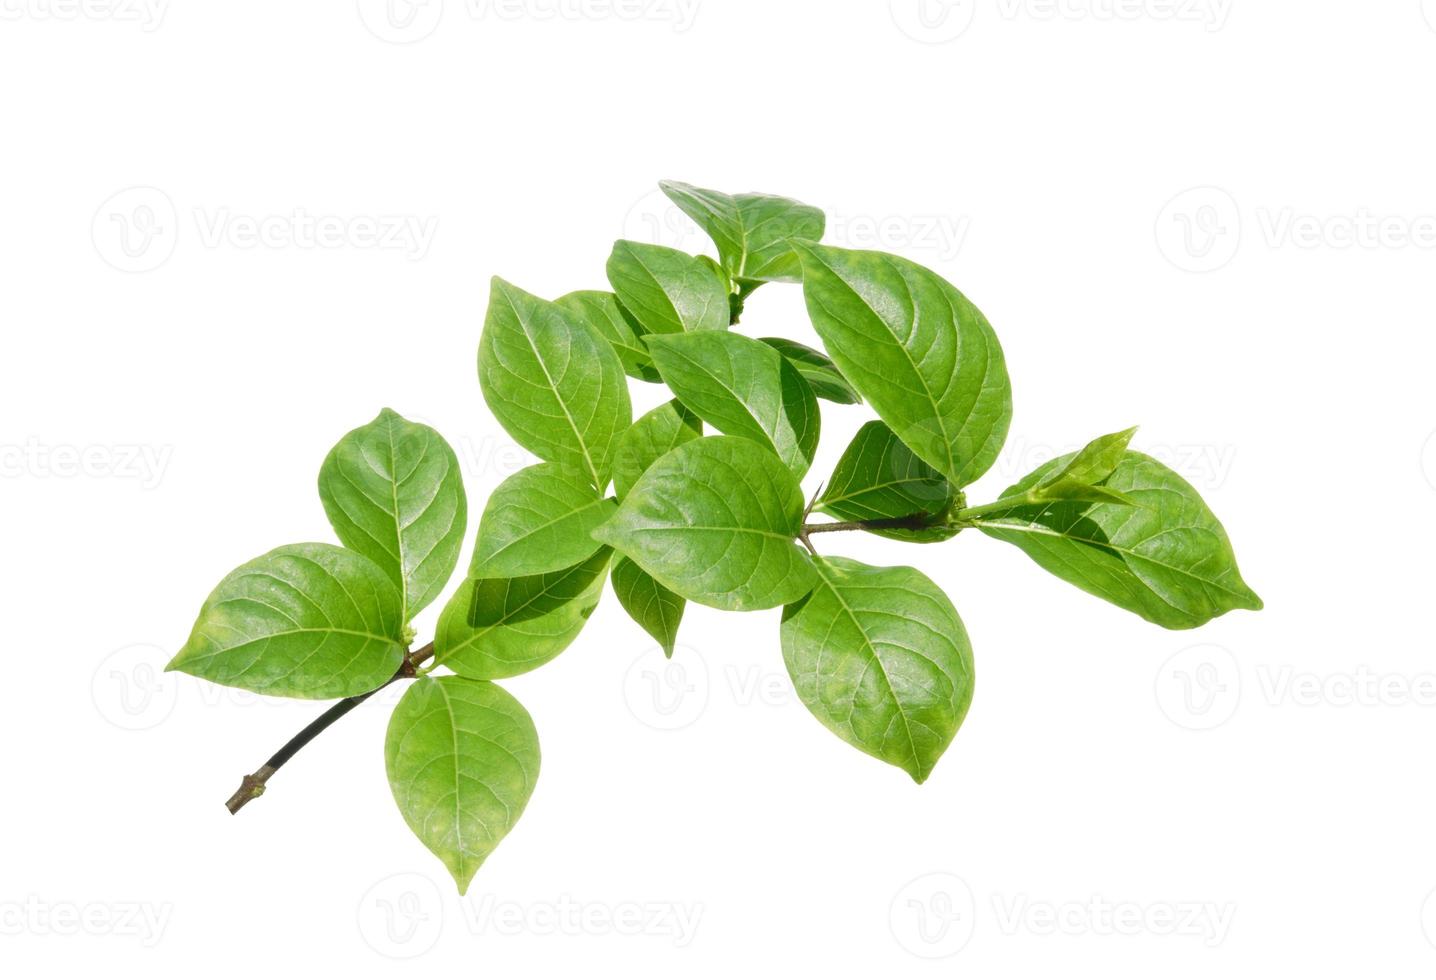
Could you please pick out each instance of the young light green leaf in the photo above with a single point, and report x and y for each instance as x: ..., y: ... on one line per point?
x: 394, y: 493
x: 1163, y: 556
x: 649, y: 604
x: 715, y: 521
x: 500, y: 627
x: 303, y: 621
x: 817, y: 369
x: 668, y: 291
x: 880, y: 656
x: 552, y: 382
x: 667, y: 427
x: 879, y: 478
x: 606, y: 315
x: 462, y: 758
x: 753, y: 232
x: 539, y: 520
x: 915, y: 348
x: 742, y: 387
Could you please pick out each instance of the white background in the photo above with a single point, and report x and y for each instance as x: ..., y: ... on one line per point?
x: 1213, y: 219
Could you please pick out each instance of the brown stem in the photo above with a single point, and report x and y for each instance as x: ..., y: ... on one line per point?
x: 252, y: 786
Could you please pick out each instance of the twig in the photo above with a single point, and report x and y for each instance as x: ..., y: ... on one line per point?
x: 252, y: 786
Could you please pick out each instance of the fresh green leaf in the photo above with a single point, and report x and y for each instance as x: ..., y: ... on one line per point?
x: 462, y: 758
x: 668, y: 291
x: 879, y: 478
x: 715, y: 521
x: 1083, y: 479
x: 667, y: 427
x: 500, y: 627
x: 880, y: 656
x: 393, y: 491
x: 651, y: 606
x: 1163, y: 556
x: 553, y: 382
x: 753, y: 232
x: 916, y: 349
x: 742, y: 387
x: 606, y: 315
x: 817, y: 369
x: 539, y: 520
x: 303, y: 621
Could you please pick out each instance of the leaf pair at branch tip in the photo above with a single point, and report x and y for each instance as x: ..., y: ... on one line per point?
x: 319, y: 621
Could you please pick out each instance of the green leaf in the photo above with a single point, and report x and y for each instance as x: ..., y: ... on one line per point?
x: 742, y: 387
x: 500, y: 627
x: 1163, y: 556
x: 880, y: 656
x: 552, y: 382
x: 817, y: 369
x: 668, y: 291
x: 651, y: 606
x: 665, y: 428
x: 753, y: 232
x: 539, y: 520
x: 715, y: 521
x: 879, y: 478
x: 394, y: 493
x: 462, y: 758
x: 1083, y: 478
x: 604, y: 314
x: 916, y: 349
x: 303, y: 621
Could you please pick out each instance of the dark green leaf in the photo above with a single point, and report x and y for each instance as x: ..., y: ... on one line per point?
x: 817, y: 369
x: 666, y: 290
x: 1163, y: 556
x: 742, y: 387
x: 880, y: 656
x: 553, y: 382
x: 753, y: 232
x: 499, y: 627
x: 650, y: 605
x: 303, y: 621
x: 462, y: 758
x: 916, y: 349
x: 539, y: 520
x: 667, y: 427
x: 879, y: 478
x: 715, y: 522
x: 604, y: 314
x: 393, y: 491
